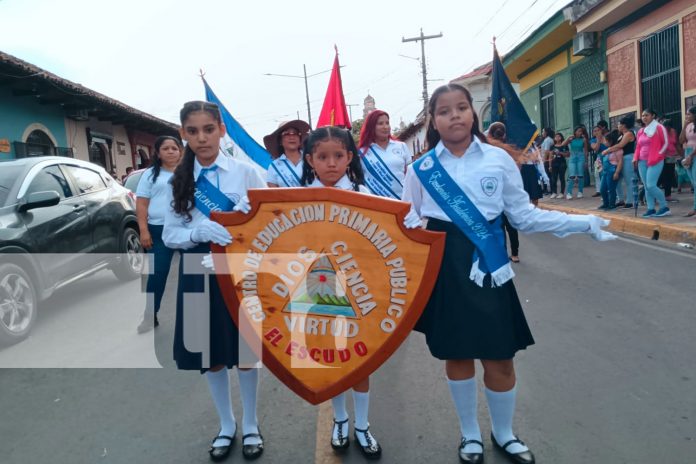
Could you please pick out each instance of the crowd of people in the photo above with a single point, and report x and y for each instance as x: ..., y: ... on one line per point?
x: 473, y: 313
x: 644, y: 165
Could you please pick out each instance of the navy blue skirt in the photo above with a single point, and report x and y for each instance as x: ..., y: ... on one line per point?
x: 205, y: 334
x: 465, y: 321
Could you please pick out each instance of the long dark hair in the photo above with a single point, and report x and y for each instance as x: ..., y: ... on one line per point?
x: 156, y: 161
x: 432, y: 136
x: 323, y: 134
x: 183, y: 184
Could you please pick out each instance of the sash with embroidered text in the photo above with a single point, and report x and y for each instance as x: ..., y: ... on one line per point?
x: 209, y: 198
x: 489, y: 239
x: 378, y: 177
x: 286, y: 173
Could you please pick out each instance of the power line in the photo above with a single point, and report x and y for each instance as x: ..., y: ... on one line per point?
x: 491, y: 18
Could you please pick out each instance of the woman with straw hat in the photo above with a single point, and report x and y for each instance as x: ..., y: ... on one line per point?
x: 284, y: 144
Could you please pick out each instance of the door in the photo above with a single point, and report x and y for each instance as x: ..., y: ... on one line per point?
x: 60, y: 233
x: 590, y: 110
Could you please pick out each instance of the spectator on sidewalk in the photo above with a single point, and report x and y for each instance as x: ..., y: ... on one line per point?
x: 627, y: 143
x: 611, y: 169
x: 649, y: 158
x: 688, y: 140
x: 558, y: 165
x: 672, y: 155
x: 547, y: 153
x: 579, y: 149
x: 598, y: 144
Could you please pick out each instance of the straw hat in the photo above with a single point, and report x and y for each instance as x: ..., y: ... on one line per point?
x: 272, y: 140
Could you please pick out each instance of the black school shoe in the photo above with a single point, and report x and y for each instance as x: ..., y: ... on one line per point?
x: 525, y: 457
x: 372, y: 450
x: 342, y: 442
x: 251, y: 452
x: 220, y: 453
x: 470, y: 458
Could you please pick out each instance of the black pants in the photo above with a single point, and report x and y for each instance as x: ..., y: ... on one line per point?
x: 558, y: 173
x: 514, y: 237
x: 667, y: 178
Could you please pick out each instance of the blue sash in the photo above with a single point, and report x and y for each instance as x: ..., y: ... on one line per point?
x: 286, y: 173
x: 209, y: 198
x: 489, y: 239
x: 378, y: 177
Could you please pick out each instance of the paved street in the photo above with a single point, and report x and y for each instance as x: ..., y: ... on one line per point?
x: 609, y: 380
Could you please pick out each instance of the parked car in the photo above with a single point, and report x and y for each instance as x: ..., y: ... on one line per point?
x: 61, y: 219
x: 132, y: 179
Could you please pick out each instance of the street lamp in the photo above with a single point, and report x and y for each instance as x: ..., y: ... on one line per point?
x: 304, y: 76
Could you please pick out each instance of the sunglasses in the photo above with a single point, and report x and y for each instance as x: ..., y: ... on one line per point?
x: 290, y: 133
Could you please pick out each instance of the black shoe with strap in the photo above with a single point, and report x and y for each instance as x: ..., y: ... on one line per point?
x: 251, y: 452
x: 524, y: 457
x: 470, y: 458
x: 341, y: 442
x: 220, y: 453
x: 372, y: 450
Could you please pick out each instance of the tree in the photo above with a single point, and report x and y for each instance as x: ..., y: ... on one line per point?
x: 355, y: 130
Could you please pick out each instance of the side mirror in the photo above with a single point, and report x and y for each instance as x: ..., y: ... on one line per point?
x: 38, y: 200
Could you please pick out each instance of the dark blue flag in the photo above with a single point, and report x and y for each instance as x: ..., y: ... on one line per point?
x: 507, y: 108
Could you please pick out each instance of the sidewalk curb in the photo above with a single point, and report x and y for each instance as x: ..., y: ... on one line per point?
x: 641, y: 227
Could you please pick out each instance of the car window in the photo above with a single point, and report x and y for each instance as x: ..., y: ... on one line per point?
x: 133, y: 180
x: 50, y: 179
x: 88, y: 181
x: 9, y: 174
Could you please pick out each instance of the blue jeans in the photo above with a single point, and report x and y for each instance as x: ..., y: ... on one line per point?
x: 626, y: 180
x: 650, y: 176
x: 691, y: 171
x: 157, y: 280
x: 608, y: 186
x: 576, y: 170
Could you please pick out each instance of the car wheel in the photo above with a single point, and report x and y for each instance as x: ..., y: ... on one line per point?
x: 18, y: 304
x: 131, y: 258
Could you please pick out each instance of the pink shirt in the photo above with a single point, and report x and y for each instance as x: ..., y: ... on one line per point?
x: 643, y: 148
x: 672, y: 141
x: 691, y: 135
x: 615, y: 155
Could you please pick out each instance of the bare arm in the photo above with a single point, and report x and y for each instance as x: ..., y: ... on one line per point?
x: 141, y: 206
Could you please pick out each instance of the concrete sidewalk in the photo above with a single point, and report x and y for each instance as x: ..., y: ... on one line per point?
x: 674, y: 228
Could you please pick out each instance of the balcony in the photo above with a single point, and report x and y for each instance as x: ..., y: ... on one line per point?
x: 26, y: 150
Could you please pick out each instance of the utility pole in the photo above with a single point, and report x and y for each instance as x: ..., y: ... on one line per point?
x: 424, y: 71
x: 306, y: 88
x: 350, y: 109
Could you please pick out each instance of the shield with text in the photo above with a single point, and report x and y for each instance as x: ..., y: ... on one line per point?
x: 325, y: 284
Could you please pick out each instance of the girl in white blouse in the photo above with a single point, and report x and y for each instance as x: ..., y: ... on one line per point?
x: 205, y: 337
x: 474, y: 312
x: 331, y: 160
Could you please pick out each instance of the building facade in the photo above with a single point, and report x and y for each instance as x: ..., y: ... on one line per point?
x: 650, y: 53
x: 43, y: 114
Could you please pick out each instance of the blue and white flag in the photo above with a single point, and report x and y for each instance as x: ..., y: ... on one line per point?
x: 237, y: 142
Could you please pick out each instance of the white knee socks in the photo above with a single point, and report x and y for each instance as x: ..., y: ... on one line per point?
x: 248, y: 387
x: 501, y: 405
x: 465, y: 398
x: 219, y: 384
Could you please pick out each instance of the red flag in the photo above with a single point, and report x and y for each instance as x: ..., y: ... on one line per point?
x: 334, y: 111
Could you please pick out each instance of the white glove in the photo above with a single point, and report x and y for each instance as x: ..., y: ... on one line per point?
x: 207, y: 262
x: 596, y: 224
x: 243, y: 205
x: 209, y: 231
x: 412, y: 220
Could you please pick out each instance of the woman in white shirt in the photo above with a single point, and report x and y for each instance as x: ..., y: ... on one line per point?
x: 285, y: 146
x: 205, y: 337
x: 462, y: 186
x: 150, y: 207
x: 384, y: 159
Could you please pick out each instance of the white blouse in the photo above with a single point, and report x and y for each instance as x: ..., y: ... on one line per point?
x: 233, y: 177
x: 272, y: 175
x: 486, y: 165
x: 344, y: 183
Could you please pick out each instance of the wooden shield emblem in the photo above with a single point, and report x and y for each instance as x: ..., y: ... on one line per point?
x: 325, y: 284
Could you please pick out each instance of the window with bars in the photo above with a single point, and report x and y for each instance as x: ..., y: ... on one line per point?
x: 548, y: 117
x: 659, y: 73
